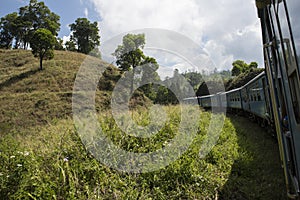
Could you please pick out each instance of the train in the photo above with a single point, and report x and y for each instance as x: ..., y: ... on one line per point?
x: 273, y: 97
x: 252, y: 99
x: 281, y: 48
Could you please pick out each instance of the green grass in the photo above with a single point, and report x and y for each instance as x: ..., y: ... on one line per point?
x: 42, y: 156
x: 51, y: 163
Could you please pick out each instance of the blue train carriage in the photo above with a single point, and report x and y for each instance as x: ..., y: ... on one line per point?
x: 234, y: 99
x: 205, y: 101
x: 223, y: 100
x: 256, y: 99
x: 191, y: 100
x: 281, y: 44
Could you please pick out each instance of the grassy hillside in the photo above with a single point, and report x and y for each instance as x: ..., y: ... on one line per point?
x: 42, y: 157
x: 31, y: 97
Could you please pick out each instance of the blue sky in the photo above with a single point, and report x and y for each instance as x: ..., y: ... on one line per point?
x: 226, y: 29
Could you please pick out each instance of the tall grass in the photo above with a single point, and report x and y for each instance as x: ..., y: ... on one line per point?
x: 52, y: 163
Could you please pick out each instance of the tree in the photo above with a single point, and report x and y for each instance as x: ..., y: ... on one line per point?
x: 59, y: 44
x: 70, y: 45
x: 42, y: 17
x: 129, y: 55
x: 42, y: 44
x: 236, y: 70
x: 85, y: 35
x: 253, y: 65
x: 8, y: 30
x: 149, y: 74
x: 194, y: 78
x: 239, y: 66
x: 20, y: 27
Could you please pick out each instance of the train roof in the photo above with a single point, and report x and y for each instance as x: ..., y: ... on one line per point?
x: 190, y: 98
x: 233, y: 90
x: 254, y: 79
x: 230, y: 91
x: 207, y: 96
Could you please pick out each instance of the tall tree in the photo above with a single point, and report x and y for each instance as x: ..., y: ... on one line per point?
x: 70, y: 45
x: 59, y: 44
x: 149, y: 74
x: 85, y: 34
x: 32, y: 17
x: 239, y: 66
x: 129, y: 55
x: 42, y: 44
x: 8, y: 30
x: 194, y: 78
x: 253, y: 65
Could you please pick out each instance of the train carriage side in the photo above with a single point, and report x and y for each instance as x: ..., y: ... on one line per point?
x: 256, y: 100
x: 210, y: 101
x: 205, y: 101
x: 281, y: 44
x: 245, y: 99
x: 234, y: 99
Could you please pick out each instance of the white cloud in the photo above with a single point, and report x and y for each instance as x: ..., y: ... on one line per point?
x: 66, y: 39
x: 227, y: 30
x: 86, y: 13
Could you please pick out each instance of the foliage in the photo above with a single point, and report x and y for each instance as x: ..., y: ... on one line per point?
x: 194, y: 78
x: 239, y: 66
x: 71, y: 45
x: 149, y: 74
x: 109, y: 78
x: 129, y: 56
x: 59, y: 44
x: 165, y: 96
x: 23, y: 25
x: 42, y: 44
x: 51, y: 162
x: 42, y: 157
x: 210, y: 87
x: 8, y: 30
x: 85, y: 34
x: 242, y: 79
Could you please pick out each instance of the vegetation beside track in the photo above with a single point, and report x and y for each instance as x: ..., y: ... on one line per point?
x: 42, y: 157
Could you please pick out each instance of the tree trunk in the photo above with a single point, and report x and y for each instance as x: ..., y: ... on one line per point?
x: 41, y: 63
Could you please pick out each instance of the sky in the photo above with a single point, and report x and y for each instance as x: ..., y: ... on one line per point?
x: 226, y: 30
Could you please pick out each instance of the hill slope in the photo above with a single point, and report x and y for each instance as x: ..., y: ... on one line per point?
x: 31, y: 97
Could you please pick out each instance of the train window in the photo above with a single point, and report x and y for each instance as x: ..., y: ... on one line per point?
x: 293, y: 7
x: 258, y: 97
x: 294, y: 84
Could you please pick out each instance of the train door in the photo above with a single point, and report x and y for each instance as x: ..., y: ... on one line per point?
x: 281, y: 46
x: 266, y: 97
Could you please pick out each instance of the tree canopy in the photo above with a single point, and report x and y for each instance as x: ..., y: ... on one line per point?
x: 129, y: 55
x: 239, y: 66
x: 21, y: 26
x: 8, y: 30
x: 42, y: 44
x: 85, y: 35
